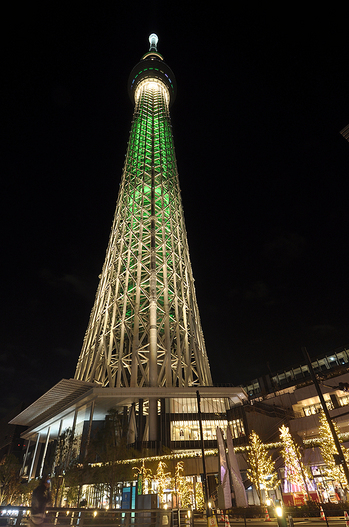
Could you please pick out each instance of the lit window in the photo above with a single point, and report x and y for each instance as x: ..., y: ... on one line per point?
x: 190, y: 430
x: 237, y: 428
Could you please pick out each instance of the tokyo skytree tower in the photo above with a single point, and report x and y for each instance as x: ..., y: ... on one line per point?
x: 144, y: 328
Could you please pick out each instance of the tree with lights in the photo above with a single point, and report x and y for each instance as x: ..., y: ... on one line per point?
x: 162, y: 478
x: 183, y: 487
x: 328, y: 449
x: 294, y: 467
x: 10, y: 481
x: 145, y: 475
x: 261, y: 469
x: 199, y: 497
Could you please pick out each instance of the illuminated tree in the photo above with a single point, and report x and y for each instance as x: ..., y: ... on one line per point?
x: 294, y: 468
x: 145, y: 475
x: 27, y: 491
x: 162, y: 479
x: 10, y: 482
x: 261, y: 471
x: 199, y: 497
x: 183, y: 487
x: 328, y: 448
x: 65, y: 453
x: 65, y: 465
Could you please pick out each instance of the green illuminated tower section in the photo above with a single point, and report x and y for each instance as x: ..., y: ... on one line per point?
x: 144, y: 328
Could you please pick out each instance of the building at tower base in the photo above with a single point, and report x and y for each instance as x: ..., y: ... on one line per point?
x: 285, y: 397
x: 83, y: 408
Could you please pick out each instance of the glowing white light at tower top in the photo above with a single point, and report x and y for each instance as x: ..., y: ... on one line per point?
x: 153, y: 39
x: 153, y: 85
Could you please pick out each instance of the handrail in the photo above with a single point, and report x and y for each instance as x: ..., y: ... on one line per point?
x: 83, y: 517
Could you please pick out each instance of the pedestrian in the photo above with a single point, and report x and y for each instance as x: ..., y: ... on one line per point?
x: 337, y: 494
x: 41, y: 497
x: 346, y: 494
x: 341, y: 494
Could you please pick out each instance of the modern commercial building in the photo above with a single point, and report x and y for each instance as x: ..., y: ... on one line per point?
x: 144, y: 352
x: 289, y: 397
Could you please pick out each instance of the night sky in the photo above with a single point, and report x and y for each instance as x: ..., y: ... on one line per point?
x: 262, y: 97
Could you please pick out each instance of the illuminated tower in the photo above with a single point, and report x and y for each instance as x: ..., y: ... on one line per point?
x: 143, y: 355
x: 144, y: 328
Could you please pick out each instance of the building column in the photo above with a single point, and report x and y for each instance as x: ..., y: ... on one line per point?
x: 59, y: 433
x: 34, y: 460
x: 153, y: 419
x: 74, y: 421
x: 92, y: 409
x: 60, y: 428
x: 72, y: 439
x: 25, y: 458
x: 45, y: 450
x: 140, y: 424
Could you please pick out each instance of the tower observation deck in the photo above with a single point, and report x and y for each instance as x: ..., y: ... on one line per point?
x: 144, y: 328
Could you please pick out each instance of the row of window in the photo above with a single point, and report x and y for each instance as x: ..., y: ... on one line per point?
x: 190, y: 430
x: 316, y: 408
x: 210, y: 405
x: 283, y: 378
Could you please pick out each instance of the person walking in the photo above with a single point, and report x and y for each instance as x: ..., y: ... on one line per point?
x: 41, y: 497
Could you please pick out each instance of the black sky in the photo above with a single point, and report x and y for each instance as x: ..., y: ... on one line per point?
x: 262, y: 96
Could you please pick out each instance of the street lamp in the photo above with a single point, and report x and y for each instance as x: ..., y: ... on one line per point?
x: 280, y: 515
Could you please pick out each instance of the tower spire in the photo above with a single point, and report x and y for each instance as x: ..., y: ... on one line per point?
x: 144, y: 328
x: 153, y: 40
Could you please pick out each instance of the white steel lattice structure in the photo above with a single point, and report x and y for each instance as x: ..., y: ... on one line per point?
x: 144, y: 328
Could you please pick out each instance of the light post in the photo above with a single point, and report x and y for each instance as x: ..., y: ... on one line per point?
x: 280, y: 514
x: 206, y: 495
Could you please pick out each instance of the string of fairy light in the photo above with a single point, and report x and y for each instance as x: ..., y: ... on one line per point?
x: 308, y: 443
